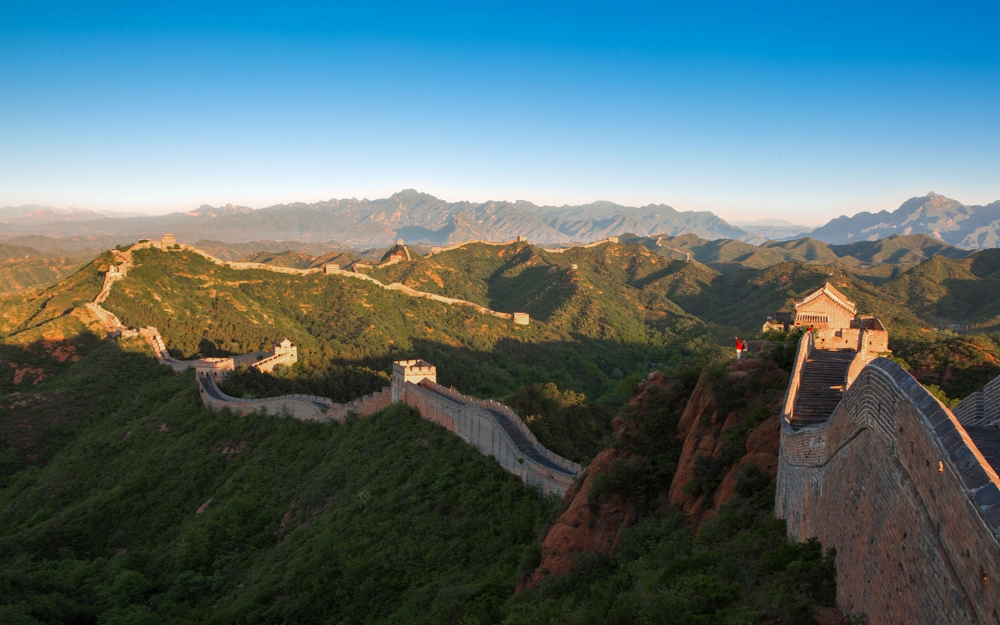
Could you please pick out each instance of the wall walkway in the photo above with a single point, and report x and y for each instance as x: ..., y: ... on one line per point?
x: 982, y: 408
x: 495, y: 430
x: 301, y: 407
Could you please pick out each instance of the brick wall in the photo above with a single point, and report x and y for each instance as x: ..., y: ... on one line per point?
x: 893, y: 482
x: 982, y: 408
x: 472, y: 420
x: 301, y: 407
x: 837, y: 316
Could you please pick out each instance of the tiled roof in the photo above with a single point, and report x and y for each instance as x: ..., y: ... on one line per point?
x: 835, y: 295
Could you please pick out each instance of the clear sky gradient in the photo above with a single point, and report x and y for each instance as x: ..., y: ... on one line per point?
x: 802, y: 111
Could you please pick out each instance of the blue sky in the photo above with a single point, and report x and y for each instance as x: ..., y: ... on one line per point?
x: 802, y: 111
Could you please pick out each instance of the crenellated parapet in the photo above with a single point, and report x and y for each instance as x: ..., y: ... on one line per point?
x: 904, y: 493
x: 296, y: 406
x: 982, y: 408
x: 489, y: 426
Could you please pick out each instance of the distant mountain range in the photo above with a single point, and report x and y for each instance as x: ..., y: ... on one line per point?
x: 884, y: 258
x: 970, y: 227
x: 421, y: 218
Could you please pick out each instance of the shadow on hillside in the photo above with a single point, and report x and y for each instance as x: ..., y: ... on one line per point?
x: 592, y: 366
x: 655, y: 276
x: 537, y: 291
x: 967, y: 302
x: 50, y: 387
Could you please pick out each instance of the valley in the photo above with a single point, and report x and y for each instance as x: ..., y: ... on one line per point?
x: 602, y: 317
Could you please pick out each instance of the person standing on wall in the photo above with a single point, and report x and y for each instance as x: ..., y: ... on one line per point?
x: 739, y: 348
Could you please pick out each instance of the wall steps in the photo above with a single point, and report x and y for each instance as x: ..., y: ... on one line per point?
x: 824, y: 375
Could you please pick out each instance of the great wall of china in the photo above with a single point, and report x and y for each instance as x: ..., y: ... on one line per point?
x: 876, y: 467
x: 491, y: 427
x: 870, y: 462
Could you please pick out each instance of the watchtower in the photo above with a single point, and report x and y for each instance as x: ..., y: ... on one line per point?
x: 826, y: 307
x: 286, y: 350
x: 167, y: 241
x: 415, y: 371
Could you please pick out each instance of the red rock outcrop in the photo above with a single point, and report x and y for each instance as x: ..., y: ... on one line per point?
x: 579, y: 529
x: 593, y: 527
x: 702, y: 429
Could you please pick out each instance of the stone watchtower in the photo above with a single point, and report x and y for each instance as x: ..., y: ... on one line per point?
x: 826, y: 307
x: 286, y: 350
x: 415, y: 371
x: 167, y: 241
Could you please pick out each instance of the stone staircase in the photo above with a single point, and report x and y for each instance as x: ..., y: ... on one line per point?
x: 821, y: 386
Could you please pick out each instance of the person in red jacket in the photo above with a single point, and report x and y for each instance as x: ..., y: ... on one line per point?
x: 739, y: 348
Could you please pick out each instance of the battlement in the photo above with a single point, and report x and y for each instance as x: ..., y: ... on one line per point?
x: 835, y: 323
x: 286, y: 349
x: 413, y: 371
x: 906, y: 494
x: 489, y: 426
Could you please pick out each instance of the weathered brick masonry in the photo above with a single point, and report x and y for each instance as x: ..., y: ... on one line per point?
x: 894, y: 482
x: 489, y: 426
x: 982, y: 408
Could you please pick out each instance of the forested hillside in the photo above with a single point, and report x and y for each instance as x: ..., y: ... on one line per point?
x: 148, y: 508
x: 24, y: 268
x: 124, y: 500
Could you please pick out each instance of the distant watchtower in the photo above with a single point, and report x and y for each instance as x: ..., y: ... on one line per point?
x: 167, y: 241
x: 286, y: 349
x: 415, y: 371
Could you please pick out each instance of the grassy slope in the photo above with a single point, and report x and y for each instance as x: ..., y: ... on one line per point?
x: 23, y: 268
x: 301, y: 512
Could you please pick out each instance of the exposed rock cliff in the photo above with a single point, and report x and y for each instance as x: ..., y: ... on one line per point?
x: 692, y: 440
x: 711, y: 460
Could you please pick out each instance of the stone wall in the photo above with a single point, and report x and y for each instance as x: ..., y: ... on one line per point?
x: 455, y: 246
x: 836, y: 315
x: 895, y: 484
x: 837, y: 338
x: 481, y: 424
x: 301, y: 407
x: 518, y: 318
x: 982, y: 408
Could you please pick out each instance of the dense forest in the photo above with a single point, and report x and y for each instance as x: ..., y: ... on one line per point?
x: 124, y: 500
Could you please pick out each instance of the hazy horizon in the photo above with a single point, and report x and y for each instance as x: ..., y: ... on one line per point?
x: 781, y: 111
x: 807, y: 221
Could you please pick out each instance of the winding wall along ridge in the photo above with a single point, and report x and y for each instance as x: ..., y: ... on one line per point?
x: 518, y: 318
x: 493, y: 428
x: 493, y: 432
